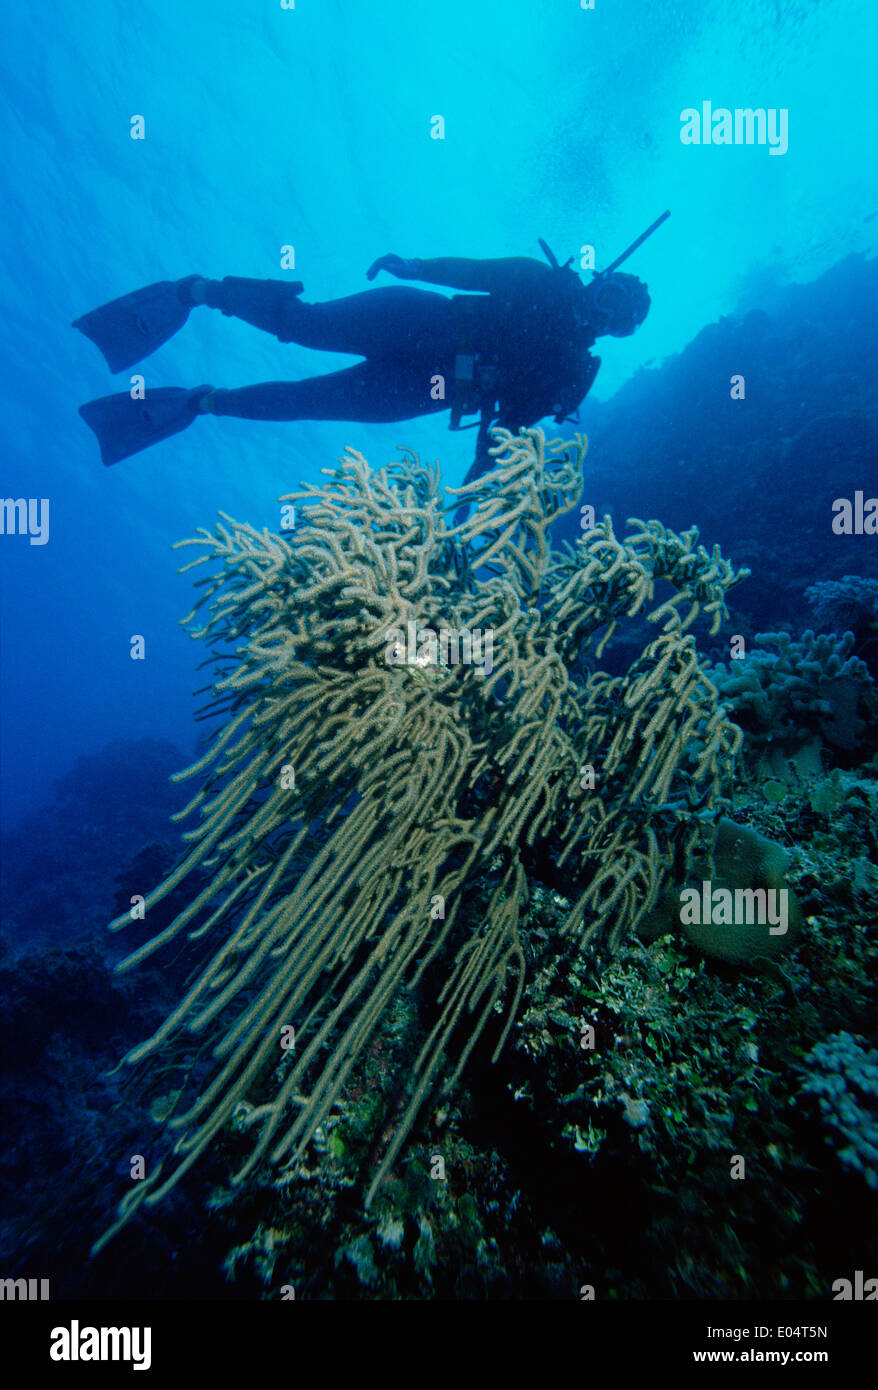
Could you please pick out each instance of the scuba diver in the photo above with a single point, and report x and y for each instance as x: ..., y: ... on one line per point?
x: 513, y: 352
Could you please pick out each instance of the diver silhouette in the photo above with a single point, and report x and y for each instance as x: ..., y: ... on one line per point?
x: 515, y: 349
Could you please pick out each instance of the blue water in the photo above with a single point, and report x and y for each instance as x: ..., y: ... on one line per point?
x: 311, y: 127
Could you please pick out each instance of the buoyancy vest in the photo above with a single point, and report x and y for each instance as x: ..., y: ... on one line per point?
x: 521, y: 353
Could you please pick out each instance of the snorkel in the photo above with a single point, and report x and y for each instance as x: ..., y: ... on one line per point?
x: 600, y: 274
x: 604, y: 299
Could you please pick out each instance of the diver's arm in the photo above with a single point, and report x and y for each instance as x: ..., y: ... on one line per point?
x: 460, y: 273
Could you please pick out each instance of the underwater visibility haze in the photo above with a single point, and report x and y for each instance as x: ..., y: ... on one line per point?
x: 440, y: 862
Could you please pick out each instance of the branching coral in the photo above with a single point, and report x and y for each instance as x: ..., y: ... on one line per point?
x: 787, y: 692
x: 849, y: 604
x: 431, y: 785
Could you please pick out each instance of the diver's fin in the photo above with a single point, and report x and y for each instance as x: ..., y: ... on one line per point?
x: 132, y: 327
x: 124, y: 426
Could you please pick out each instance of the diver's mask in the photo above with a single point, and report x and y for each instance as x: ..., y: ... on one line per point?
x: 614, y: 304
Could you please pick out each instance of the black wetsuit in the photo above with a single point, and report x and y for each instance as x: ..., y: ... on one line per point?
x: 532, y: 357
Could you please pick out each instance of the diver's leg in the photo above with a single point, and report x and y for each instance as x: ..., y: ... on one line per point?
x: 396, y: 320
x: 372, y: 392
x: 262, y: 303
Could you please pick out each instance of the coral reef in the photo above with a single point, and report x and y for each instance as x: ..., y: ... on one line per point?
x: 609, y: 1163
x: 760, y: 474
x: 849, y: 604
x: 70, y: 1129
x: 786, y: 694
x: 58, y: 866
x: 562, y: 1164
x: 363, y: 816
x: 844, y: 1078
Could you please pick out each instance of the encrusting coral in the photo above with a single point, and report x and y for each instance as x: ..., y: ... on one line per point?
x: 358, y: 807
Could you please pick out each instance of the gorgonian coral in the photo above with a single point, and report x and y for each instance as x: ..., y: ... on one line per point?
x: 378, y: 799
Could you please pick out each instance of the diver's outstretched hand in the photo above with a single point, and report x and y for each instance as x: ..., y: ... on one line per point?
x: 395, y: 265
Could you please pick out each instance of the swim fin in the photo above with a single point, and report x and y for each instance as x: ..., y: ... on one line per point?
x: 132, y: 327
x: 124, y: 426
